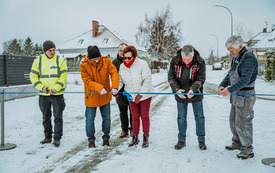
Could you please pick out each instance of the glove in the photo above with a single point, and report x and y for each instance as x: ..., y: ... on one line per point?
x: 188, y: 94
x: 137, y: 99
x: 181, y: 91
x: 103, y: 91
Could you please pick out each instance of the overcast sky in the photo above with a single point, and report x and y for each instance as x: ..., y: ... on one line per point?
x: 61, y: 20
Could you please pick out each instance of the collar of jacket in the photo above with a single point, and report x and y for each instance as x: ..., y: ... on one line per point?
x: 196, y: 59
x: 94, y: 64
x: 119, y: 58
x: 242, y: 52
x: 51, y: 57
x: 129, y: 64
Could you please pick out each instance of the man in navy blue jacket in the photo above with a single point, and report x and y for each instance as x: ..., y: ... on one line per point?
x: 240, y: 80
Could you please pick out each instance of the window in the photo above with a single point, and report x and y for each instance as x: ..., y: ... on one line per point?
x: 80, y: 41
x: 105, y: 40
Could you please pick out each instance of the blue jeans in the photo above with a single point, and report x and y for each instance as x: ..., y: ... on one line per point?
x: 106, y: 121
x: 199, y: 117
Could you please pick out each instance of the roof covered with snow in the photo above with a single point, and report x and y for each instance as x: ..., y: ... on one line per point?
x: 259, y: 36
x: 106, y: 39
x: 267, y: 42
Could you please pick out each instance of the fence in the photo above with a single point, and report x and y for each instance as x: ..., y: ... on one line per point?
x: 15, y: 70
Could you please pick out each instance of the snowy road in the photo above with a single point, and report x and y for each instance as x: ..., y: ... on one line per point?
x: 23, y: 127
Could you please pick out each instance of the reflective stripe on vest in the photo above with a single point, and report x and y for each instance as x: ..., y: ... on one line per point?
x: 50, y: 76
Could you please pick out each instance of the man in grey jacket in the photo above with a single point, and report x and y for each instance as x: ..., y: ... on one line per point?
x: 240, y: 80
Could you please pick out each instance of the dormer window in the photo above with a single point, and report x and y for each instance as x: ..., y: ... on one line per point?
x: 105, y: 40
x: 80, y: 41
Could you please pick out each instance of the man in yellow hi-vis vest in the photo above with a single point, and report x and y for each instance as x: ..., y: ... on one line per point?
x: 48, y: 75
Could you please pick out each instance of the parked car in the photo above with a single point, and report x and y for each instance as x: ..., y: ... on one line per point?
x: 217, y: 66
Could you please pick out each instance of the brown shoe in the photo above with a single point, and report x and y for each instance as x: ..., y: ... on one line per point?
x: 232, y: 147
x: 123, y: 134
x: 91, y: 144
x: 106, y: 142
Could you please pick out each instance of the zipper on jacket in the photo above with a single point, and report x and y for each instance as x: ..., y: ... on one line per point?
x: 190, y: 75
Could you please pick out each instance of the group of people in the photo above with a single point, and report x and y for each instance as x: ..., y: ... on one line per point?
x: 186, y: 76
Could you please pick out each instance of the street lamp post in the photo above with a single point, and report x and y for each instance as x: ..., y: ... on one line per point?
x: 231, y: 16
x: 217, y: 44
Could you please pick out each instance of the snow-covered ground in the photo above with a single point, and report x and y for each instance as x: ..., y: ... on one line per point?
x: 23, y: 127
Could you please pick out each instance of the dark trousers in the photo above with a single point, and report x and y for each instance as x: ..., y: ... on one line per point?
x: 124, y: 118
x: 58, y: 104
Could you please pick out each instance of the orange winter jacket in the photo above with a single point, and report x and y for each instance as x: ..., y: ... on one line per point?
x: 96, y: 77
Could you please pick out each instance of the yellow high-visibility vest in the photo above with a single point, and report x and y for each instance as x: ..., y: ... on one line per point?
x: 50, y: 73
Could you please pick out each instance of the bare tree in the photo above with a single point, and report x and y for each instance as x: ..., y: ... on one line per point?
x: 159, y: 35
x: 243, y: 31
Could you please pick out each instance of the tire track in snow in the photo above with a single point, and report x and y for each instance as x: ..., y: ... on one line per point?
x: 89, y: 163
x: 101, y: 154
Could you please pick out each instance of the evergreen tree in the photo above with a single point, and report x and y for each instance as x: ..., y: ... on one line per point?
x: 160, y: 36
x: 270, y: 65
x: 28, y: 47
x: 18, y: 47
x: 14, y: 48
x: 38, y: 50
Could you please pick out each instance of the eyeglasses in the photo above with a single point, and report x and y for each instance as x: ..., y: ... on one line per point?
x: 129, y: 58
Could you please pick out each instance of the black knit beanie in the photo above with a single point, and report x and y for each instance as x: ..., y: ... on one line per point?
x: 48, y: 45
x: 93, y: 52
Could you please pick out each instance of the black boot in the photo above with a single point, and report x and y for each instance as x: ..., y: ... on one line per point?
x: 56, y: 142
x: 202, y: 145
x: 134, y: 141
x: 180, y: 145
x: 46, y: 141
x: 145, y: 141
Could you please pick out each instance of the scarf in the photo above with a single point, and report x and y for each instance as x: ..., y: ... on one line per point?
x: 128, y: 65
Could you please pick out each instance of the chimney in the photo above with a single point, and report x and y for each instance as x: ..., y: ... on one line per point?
x: 95, y: 28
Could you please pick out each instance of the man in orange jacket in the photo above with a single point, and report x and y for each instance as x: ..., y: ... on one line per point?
x: 95, y: 72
